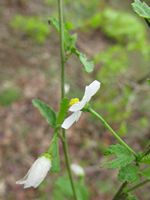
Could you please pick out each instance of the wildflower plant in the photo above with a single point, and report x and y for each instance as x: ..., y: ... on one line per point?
x: 133, y: 167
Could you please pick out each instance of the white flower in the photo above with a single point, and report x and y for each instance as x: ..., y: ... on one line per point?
x: 77, y: 170
x: 36, y: 173
x: 77, y: 106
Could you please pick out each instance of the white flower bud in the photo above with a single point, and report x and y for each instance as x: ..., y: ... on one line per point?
x: 67, y: 88
x: 36, y: 173
x: 77, y: 170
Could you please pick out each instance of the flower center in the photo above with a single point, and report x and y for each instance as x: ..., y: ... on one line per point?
x: 73, y: 101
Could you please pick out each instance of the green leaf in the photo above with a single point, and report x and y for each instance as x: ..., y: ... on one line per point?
x: 62, y: 189
x: 88, y: 65
x: 148, y: 81
x: 131, y: 197
x: 129, y: 173
x: 55, y: 155
x: 45, y: 111
x: 141, y: 8
x: 55, y: 23
x: 146, y: 159
x: 64, y: 105
x: 146, y: 173
x: 70, y: 45
x: 123, y: 156
x: 69, y: 39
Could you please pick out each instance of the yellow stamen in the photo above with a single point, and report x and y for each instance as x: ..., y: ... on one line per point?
x: 73, y: 101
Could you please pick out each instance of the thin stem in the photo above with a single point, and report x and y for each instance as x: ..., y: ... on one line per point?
x: 62, y: 49
x: 111, y: 130
x: 62, y: 55
x: 146, y: 151
x: 120, y: 191
x: 138, y: 185
x: 65, y: 147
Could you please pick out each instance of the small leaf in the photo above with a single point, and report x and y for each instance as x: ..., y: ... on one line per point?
x: 141, y: 8
x: 129, y: 173
x: 64, y: 105
x: 88, y: 65
x: 146, y: 159
x: 45, y: 111
x: 55, y: 155
x: 69, y: 39
x: 123, y: 156
x: 55, y: 23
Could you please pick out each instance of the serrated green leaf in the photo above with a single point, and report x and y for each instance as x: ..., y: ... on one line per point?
x: 146, y: 173
x: 129, y: 173
x: 55, y: 155
x: 46, y: 111
x: 88, y: 65
x: 123, y: 156
x: 146, y: 159
x: 64, y: 105
x: 55, y: 23
x: 141, y: 8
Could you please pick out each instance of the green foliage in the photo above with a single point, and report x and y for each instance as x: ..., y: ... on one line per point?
x: 88, y: 65
x: 131, y: 197
x: 64, y: 105
x: 129, y: 173
x: 70, y: 46
x: 69, y: 39
x: 146, y: 173
x: 146, y: 159
x: 114, y: 61
x: 9, y: 95
x: 62, y: 190
x: 122, y: 27
x: 55, y: 155
x: 33, y: 27
x: 141, y: 8
x: 123, y: 156
x: 45, y: 111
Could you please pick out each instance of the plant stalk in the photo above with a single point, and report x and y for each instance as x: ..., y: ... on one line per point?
x: 138, y: 185
x: 120, y: 191
x: 62, y: 56
x: 111, y: 130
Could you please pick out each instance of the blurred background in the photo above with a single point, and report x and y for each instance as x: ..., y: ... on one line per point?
x: 118, y: 42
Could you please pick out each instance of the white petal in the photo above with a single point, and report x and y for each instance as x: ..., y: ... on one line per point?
x: 36, y: 173
x: 68, y: 122
x: 90, y: 91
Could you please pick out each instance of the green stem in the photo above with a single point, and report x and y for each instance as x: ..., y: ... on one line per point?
x: 146, y: 151
x: 120, y: 191
x: 138, y: 185
x: 62, y: 55
x: 111, y: 130
x: 62, y: 49
x: 65, y: 147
